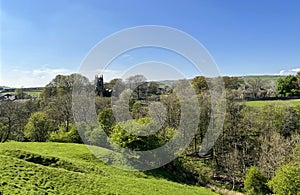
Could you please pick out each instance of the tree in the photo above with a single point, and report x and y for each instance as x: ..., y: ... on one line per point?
x: 20, y: 93
x: 107, y: 120
x: 288, y: 86
x: 126, y: 134
x: 61, y: 135
x: 139, y: 110
x: 60, y: 110
x: 275, y: 152
x: 255, y: 182
x: 199, y: 83
x: 172, y: 105
x: 287, y: 178
x: 298, y: 78
x: 138, y: 84
x: 13, y: 117
x: 117, y: 85
x: 38, y: 127
x: 232, y: 82
x: 254, y: 87
x: 291, y: 123
x: 153, y: 88
x: 63, y: 84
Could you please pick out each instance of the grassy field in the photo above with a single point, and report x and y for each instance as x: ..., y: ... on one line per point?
x: 58, y: 168
x: 34, y: 93
x: 284, y: 103
x: 31, y: 93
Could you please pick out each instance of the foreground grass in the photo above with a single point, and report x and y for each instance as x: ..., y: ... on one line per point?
x: 283, y: 103
x: 57, y: 168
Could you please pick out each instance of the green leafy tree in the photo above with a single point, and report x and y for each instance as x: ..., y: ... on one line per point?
x: 117, y: 85
x: 126, y: 135
x: 153, y: 88
x: 287, y: 178
x: 232, y: 82
x: 287, y: 86
x: 38, y: 127
x: 107, y: 120
x: 298, y: 78
x: 20, y: 94
x: 63, y: 84
x: 255, y: 182
x: 62, y: 135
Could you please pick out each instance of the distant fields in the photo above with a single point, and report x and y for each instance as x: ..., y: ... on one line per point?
x: 273, y: 78
x: 285, y: 103
x: 59, y: 168
x: 36, y: 93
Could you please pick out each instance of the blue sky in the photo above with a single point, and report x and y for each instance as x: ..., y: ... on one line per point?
x: 40, y: 39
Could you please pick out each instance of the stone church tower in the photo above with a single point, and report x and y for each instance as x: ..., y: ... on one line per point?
x: 99, y: 85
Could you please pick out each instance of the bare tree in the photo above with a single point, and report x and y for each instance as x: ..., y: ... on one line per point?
x: 137, y: 84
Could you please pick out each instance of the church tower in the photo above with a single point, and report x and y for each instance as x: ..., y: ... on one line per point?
x: 99, y: 85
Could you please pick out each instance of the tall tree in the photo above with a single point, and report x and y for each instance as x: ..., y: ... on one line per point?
x: 38, y: 127
x: 60, y: 110
x: 13, y: 118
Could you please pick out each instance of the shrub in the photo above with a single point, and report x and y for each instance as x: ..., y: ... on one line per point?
x: 255, y: 182
x: 287, y: 180
x: 62, y: 135
x: 129, y: 134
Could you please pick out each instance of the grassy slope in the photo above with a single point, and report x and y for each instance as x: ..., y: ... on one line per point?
x: 284, y: 103
x: 76, y: 172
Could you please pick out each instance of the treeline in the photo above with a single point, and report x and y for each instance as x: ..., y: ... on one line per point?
x: 258, y: 150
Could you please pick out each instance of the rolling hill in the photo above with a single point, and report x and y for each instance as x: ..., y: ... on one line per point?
x: 60, y: 168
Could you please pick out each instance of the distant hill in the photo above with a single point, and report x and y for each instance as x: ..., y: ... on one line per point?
x: 262, y: 77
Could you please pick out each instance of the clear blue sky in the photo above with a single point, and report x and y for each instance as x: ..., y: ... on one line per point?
x: 40, y: 38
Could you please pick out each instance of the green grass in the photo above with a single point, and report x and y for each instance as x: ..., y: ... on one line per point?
x: 31, y: 93
x: 34, y: 93
x: 58, y: 168
x: 284, y: 103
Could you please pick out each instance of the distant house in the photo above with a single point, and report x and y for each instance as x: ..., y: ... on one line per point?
x: 7, y: 96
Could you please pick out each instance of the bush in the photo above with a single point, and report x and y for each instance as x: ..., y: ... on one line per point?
x: 129, y: 134
x: 62, y: 135
x: 255, y: 182
x: 202, y: 173
x: 287, y: 180
x: 95, y: 135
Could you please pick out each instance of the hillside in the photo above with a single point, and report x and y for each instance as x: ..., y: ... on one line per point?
x: 58, y: 168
